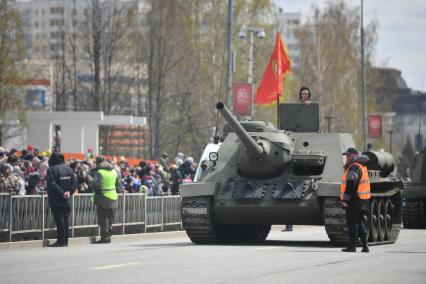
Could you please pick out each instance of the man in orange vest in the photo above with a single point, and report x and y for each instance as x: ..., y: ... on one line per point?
x: 355, y: 196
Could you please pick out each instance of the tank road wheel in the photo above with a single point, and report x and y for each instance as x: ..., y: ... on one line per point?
x: 366, y: 220
x: 382, y: 219
x: 414, y: 214
x: 388, y: 219
x: 396, y: 217
x: 374, y: 221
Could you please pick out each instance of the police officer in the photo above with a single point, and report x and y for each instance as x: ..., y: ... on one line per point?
x: 105, y: 183
x: 61, y: 184
x: 355, y: 195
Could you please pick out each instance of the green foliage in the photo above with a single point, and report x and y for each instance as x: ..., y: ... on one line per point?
x: 329, y: 64
x: 187, y: 68
x: 11, y: 52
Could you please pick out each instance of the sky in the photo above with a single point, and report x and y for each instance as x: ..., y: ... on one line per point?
x: 401, y: 42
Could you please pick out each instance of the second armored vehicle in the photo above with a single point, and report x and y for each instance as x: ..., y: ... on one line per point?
x: 414, y: 195
x: 262, y: 176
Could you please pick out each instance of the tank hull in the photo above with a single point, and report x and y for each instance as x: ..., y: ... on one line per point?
x: 265, y: 177
x: 414, y: 206
x: 414, y: 195
x: 306, y: 212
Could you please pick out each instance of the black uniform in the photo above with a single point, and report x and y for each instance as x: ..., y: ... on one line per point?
x: 60, y: 179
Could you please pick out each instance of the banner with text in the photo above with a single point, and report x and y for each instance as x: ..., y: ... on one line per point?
x: 375, y: 126
x: 242, y: 99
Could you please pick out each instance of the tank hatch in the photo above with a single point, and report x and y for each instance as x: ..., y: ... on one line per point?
x: 298, y: 117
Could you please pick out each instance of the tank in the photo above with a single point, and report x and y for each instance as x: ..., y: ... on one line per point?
x: 262, y: 176
x: 414, y: 195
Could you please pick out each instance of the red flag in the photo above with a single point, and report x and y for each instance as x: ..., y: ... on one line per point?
x: 272, y: 80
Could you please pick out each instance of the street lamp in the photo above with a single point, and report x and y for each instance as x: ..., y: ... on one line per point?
x: 260, y: 33
x: 390, y: 132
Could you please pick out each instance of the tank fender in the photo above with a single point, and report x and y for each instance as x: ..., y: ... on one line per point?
x: 328, y: 189
x: 414, y: 191
x: 198, y: 189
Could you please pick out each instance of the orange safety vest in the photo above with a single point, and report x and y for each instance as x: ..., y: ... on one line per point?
x: 363, y: 187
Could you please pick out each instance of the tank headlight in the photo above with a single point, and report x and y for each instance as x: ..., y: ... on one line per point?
x: 213, y: 156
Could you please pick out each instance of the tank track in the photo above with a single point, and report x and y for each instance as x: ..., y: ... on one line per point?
x: 196, y: 219
x: 414, y: 214
x: 201, y: 228
x: 336, y: 228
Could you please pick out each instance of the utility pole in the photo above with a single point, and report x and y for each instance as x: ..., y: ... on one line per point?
x: 242, y: 34
x: 419, y: 135
x: 364, y: 99
x: 390, y: 132
x: 229, y: 59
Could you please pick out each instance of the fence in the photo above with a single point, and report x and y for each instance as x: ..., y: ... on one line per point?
x: 31, y: 213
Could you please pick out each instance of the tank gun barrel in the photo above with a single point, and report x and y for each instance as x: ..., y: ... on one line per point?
x: 253, y: 149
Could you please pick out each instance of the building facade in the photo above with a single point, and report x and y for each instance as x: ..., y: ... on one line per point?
x: 288, y: 25
x: 410, y: 121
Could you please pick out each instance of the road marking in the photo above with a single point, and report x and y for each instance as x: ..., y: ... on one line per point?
x: 268, y: 248
x: 115, y: 266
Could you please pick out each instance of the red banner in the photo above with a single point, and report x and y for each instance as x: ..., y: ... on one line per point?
x: 375, y: 126
x: 272, y: 79
x: 242, y: 99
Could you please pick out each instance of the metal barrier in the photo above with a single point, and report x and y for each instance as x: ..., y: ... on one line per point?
x: 31, y: 213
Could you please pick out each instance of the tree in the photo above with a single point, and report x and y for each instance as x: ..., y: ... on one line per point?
x: 329, y: 63
x: 105, y: 44
x: 185, y: 59
x: 11, y: 53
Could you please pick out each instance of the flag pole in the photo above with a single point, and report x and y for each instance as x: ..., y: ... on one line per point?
x: 278, y: 94
x: 278, y: 110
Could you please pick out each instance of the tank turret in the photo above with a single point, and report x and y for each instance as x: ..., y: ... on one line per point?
x: 259, y: 156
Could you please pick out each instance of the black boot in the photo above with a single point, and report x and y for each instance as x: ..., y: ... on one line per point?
x: 351, y: 246
x: 57, y: 244
x: 103, y: 241
x: 364, y: 244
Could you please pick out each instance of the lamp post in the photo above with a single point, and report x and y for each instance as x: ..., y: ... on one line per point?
x: 242, y: 34
x: 390, y: 132
x: 229, y: 57
x: 363, y: 92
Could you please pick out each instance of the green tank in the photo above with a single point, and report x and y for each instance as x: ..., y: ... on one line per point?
x: 414, y: 195
x: 263, y: 176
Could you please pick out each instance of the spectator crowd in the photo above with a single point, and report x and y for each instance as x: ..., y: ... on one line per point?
x: 24, y: 172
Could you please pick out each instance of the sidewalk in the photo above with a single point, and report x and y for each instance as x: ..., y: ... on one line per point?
x: 90, y: 240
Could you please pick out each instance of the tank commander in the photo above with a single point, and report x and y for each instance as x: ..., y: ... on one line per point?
x: 305, y: 95
x: 355, y: 195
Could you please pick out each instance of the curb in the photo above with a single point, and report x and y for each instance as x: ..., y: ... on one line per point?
x: 91, y: 240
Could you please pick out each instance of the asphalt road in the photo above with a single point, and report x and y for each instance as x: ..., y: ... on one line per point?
x: 301, y: 256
